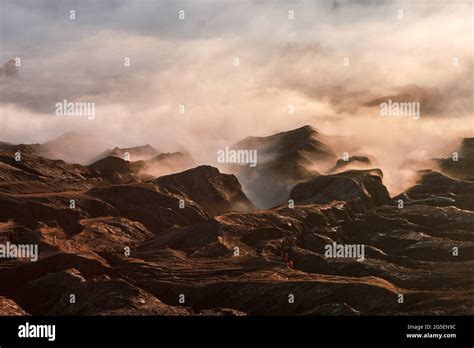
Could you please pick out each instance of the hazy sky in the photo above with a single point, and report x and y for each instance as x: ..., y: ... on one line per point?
x: 282, y: 61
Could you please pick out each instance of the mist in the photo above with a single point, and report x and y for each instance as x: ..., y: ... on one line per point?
x: 183, y: 92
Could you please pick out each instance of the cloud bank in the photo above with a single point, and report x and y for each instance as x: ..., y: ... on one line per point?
x: 190, y: 63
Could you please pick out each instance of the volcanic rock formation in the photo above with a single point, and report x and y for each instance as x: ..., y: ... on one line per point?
x: 127, y: 244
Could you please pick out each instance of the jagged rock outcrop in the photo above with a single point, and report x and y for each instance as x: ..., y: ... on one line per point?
x: 358, y: 188
x: 460, y: 164
x: 110, y: 165
x: 284, y: 159
x: 150, y: 205
x: 131, y: 245
x: 217, y: 193
x: 436, y: 189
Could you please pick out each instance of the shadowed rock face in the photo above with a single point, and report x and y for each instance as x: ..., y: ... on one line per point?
x: 356, y: 187
x: 217, y: 193
x: 437, y: 189
x: 130, y: 247
x: 284, y: 159
x: 149, y: 205
x: 110, y: 166
x: 461, y: 167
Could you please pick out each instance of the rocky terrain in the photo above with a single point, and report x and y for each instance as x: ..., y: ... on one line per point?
x: 115, y: 241
x: 284, y: 159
